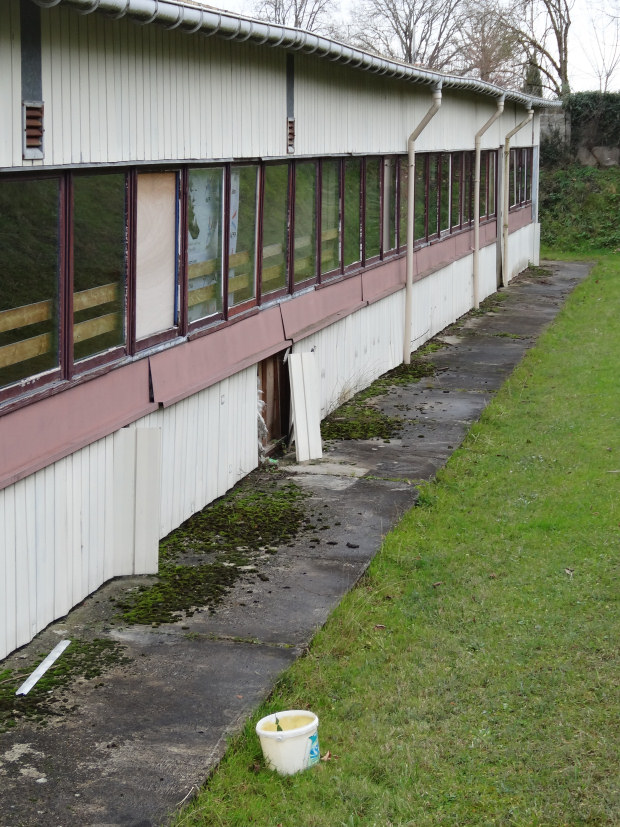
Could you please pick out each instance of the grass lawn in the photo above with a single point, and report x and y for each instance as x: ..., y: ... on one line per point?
x: 471, y: 677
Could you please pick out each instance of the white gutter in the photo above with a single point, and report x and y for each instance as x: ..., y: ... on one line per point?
x: 410, y: 218
x: 506, y: 191
x: 478, y: 141
x: 175, y: 14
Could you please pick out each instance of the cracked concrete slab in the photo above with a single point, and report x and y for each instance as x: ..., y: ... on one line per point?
x: 126, y: 748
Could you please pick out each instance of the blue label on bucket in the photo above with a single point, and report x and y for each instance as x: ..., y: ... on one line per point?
x: 314, y: 754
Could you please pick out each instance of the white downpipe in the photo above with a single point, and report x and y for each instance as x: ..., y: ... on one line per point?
x: 410, y: 210
x: 506, y: 186
x: 477, y: 144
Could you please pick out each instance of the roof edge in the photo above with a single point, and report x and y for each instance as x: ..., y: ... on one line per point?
x: 173, y: 14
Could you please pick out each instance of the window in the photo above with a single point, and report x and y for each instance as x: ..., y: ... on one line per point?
x: 520, y: 176
x: 330, y: 216
x: 242, y: 235
x: 63, y: 264
x: 156, y: 254
x: 372, y: 216
x: 29, y: 278
x: 352, y: 207
x: 275, y: 228
x: 304, y: 247
x: 390, y: 204
x: 99, y: 249
x: 205, y: 208
x: 403, y: 202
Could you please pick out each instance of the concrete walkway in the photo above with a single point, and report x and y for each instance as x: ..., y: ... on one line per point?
x: 128, y: 747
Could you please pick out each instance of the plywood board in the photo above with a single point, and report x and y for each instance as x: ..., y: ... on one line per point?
x: 306, y: 405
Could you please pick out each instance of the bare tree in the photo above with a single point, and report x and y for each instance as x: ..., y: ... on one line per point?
x: 424, y: 32
x: 542, y: 28
x: 488, y: 49
x: 605, y: 58
x: 311, y: 15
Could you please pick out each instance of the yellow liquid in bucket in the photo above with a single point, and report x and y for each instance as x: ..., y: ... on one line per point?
x: 294, y: 722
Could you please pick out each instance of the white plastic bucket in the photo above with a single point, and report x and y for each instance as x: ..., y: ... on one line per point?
x: 295, y: 746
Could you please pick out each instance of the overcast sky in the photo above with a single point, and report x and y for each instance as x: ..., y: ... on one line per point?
x: 581, y: 42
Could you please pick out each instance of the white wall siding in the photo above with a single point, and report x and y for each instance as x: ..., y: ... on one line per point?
x: 522, y: 249
x: 100, y: 512
x: 353, y: 352
x: 10, y: 87
x: 116, y: 92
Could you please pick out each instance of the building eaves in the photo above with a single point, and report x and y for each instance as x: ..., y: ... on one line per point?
x: 195, y: 17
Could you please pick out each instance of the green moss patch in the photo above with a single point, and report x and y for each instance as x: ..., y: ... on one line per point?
x: 202, y: 559
x: 81, y: 660
x: 359, y: 418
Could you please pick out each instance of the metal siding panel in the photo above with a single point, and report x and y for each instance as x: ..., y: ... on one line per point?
x: 9, y: 587
x: 147, y: 499
x: 124, y: 499
x: 62, y: 560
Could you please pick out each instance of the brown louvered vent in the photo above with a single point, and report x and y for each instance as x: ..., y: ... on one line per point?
x: 33, y: 129
x: 291, y: 134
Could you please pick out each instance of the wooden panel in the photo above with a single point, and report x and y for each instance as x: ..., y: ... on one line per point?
x: 155, y: 253
x: 147, y: 500
x: 305, y: 400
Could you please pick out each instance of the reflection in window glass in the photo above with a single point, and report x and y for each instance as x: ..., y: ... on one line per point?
x: 492, y: 160
x: 242, y: 235
x: 389, y: 204
x: 29, y: 213
x: 372, y: 227
x: 330, y: 216
x: 457, y: 177
x: 275, y: 228
x: 433, y: 195
x: 99, y: 255
x: 483, y: 185
x: 204, y: 242
x: 403, y: 169
x: 468, y: 176
x: 444, y: 175
x: 305, y: 222
x: 420, y: 197
x: 352, y: 204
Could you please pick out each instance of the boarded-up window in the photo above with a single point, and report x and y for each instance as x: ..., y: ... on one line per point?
x: 156, y: 253
x: 29, y: 290
x: 99, y: 255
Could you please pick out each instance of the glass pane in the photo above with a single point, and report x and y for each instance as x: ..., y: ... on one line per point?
x: 433, y: 195
x: 305, y: 222
x: 468, y: 175
x: 389, y: 204
x: 373, y: 207
x: 330, y: 216
x: 204, y: 242
x: 242, y: 235
x: 444, y: 177
x: 275, y: 228
x: 513, y: 177
x: 29, y: 249
x: 457, y: 178
x: 492, y: 161
x: 420, y: 197
x: 483, y: 184
x: 352, y: 204
x: 403, y: 172
x: 99, y: 256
